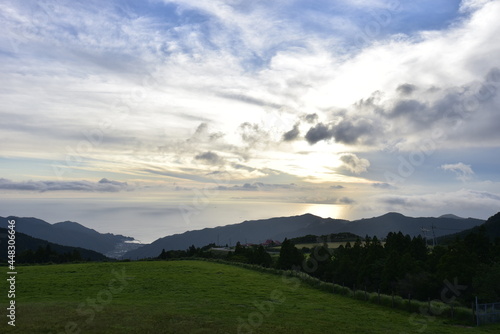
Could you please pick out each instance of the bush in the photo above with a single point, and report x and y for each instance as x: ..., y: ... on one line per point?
x: 360, y: 295
x: 463, y: 314
x: 386, y: 300
x: 400, y: 303
x: 373, y: 297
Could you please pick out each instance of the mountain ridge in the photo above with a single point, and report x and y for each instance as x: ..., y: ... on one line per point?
x: 26, y: 242
x: 278, y: 228
x: 70, y: 234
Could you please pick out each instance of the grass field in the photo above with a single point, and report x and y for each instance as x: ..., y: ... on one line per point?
x: 192, y: 297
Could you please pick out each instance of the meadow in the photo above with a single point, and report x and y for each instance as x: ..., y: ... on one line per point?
x: 194, y: 297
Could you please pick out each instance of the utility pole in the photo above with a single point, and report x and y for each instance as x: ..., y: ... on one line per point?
x: 424, y: 230
x: 433, y: 236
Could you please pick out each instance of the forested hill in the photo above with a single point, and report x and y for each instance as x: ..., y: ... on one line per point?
x: 68, y: 234
x: 34, y: 250
x: 491, y: 229
x: 258, y: 231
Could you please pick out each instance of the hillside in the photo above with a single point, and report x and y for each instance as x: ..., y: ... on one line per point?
x: 25, y: 242
x: 195, y: 297
x: 258, y: 231
x: 333, y: 237
x: 490, y: 228
x: 70, y: 234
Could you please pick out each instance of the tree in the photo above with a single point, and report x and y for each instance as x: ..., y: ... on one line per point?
x: 261, y: 257
x: 163, y: 254
x: 485, y: 283
x: 290, y: 256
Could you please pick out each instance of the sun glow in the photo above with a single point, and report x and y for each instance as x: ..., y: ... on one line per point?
x: 327, y: 210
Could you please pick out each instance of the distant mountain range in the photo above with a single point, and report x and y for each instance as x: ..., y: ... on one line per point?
x: 491, y: 228
x: 258, y: 231
x: 25, y: 242
x: 72, y: 234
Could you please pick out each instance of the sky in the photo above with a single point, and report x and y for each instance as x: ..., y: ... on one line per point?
x: 148, y: 118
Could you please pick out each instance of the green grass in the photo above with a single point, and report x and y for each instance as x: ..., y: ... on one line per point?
x: 193, y: 297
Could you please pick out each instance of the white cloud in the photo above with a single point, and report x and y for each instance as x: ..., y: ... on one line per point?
x: 104, y: 185
x: 158, y: 79
x: 471, y: 5
x: 462, y: 171
x: 354, y: 164
x: 462, y: 202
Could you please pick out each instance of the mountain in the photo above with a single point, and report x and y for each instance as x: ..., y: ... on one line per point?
x: 72, y: 234
x: 24, y: 242
x: 449, y: 215
x: 258, y: 231
x: 394, y: 222
x: 255, y: 231
x: 490, y: 228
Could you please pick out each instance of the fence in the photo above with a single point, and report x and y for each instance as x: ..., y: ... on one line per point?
x: 487, y: 313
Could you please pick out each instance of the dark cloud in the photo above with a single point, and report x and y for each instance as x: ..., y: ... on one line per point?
x: 346, y: 200
x: 318, y: 133
x: 406, y: 89
x: 474, y: 103
x: 411, y: 108
x: 348, y: 132
x: 311, y: 118
x: 209, y: 157
x: 345, y: 131
x: 292, y: 134
x: 493, y: 76
x: 337, y: 187
x: 398, y: 201
x: 104, y: 185
x: 250, y: 100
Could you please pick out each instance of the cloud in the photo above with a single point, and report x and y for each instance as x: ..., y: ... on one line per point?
x: 346, y: 131
x: 327, y: 200
x: 209, y: 157
x: 383, y: 186
x: 180, y: 76
x: 253, y: 134
x: 336, y: 187
x: 243, y: 167
x: 462, y: 171
x: 411, y: 108
x: 351, y: 132
x: 311, y: 118
x: 104, y: 185
x: 202, y: 134
x: 406, y: 89
x: 258, y: 186
x: 292, y: 134
x: 346, y: 200
x: 464, y: 200
x: 472, y: 5
x: 318, y: 133
x: 354, y: 164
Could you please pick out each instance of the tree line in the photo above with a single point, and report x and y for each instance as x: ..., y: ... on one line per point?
x: 400, y: 265
x: 47, y: 255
